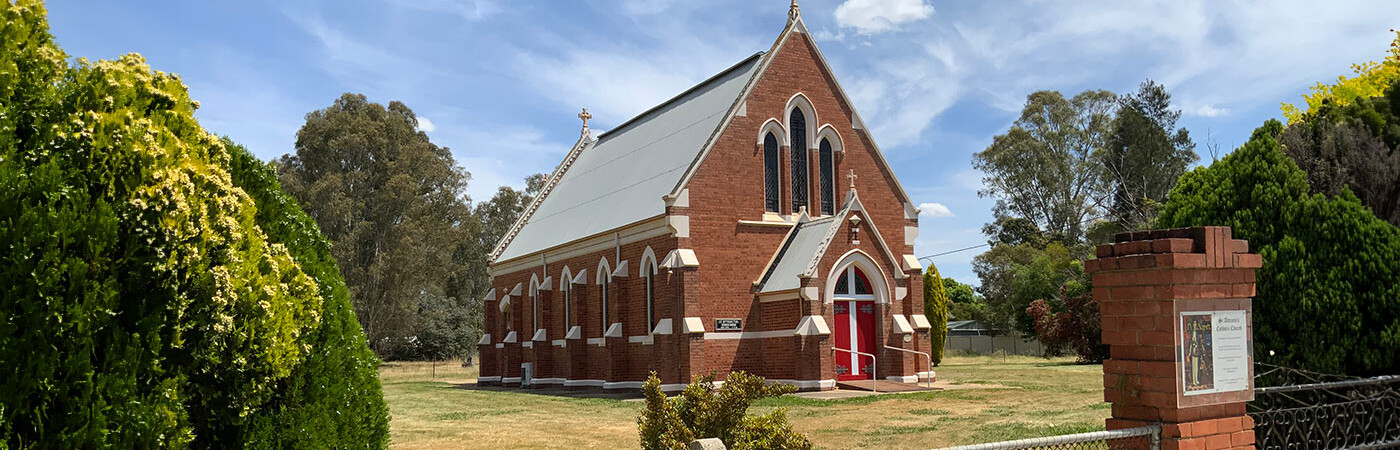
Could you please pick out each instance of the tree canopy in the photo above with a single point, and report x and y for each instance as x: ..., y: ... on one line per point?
x: 1370, y: 79
x: 1329, y: 292
x: 394, y: 205
x: 1354, y: 147
x: 1144, y: 156
x: 1042, y: 169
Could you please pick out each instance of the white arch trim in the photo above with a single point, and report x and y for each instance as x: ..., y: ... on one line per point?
x: 879, y: 283
x: 604, y: 271
x: 829, y: 132
x: 800, y: 101
x: 565, y: 277
x: 648, y: 262
x: 776, y: 127
x: 534, y: 284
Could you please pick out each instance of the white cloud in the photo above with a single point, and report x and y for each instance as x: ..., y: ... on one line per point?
x: 1211, y: 111
x: 616, y: 80
x: 934, y: 210
x: 426, y: 125
x: 876, y: 16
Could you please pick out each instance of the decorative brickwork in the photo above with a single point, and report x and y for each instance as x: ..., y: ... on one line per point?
x: 1140, y: 282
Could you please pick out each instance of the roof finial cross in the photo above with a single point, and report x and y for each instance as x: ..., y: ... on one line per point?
x: 852, y: 177
x: 585, y: 116
x: 793, y: 13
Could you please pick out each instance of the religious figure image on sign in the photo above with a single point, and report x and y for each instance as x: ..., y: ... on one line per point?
x: 1197, y: 352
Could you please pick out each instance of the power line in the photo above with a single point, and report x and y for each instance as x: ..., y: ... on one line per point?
x: 955, y: 251
x: 1091, y: 219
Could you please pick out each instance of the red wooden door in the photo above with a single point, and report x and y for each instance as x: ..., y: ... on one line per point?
x: 855, y: 330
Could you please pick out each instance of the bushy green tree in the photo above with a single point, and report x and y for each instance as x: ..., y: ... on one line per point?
x: 142, y: 305
x: 333, y: 399
x: 1013, y: 276
x: 1354, y: 147
x: 1145, y: 154
x: 394, y: 205
x: 1329, y: 293
x: 1043, y: 168
x: 936, y: 310
x: 701, y: 411
x: 958, y: 292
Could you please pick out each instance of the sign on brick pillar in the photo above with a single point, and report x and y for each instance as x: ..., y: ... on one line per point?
x: 1176, y: 311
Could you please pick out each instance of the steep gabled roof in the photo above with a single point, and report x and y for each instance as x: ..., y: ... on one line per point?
x: 803, y: 248
x: 619, y: 179
x: 796, y: 26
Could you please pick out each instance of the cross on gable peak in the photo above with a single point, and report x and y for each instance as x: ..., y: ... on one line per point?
x: 852, y: 176
x: 585, y: 116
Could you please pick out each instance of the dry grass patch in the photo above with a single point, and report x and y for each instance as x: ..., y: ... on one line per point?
x: 1038, y: 397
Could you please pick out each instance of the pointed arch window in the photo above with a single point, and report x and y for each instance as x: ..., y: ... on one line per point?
x: 770, y: 172
x: 535, y: 306
x: 649, y: 277
x: 568, y: 310
x: 604, y: 279
x: 854, y: 284
x: 827, y: 186
x: 798, y: 136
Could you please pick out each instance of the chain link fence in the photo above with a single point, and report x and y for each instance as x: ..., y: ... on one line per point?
x: 1147, y: 437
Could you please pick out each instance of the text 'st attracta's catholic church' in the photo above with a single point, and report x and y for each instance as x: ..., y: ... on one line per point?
x: 719, y: 231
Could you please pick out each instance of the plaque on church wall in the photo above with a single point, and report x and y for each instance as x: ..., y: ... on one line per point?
x: 729, y: 324
x: 1214, y: 352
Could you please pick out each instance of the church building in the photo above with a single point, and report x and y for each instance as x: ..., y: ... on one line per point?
x: 721, y: 230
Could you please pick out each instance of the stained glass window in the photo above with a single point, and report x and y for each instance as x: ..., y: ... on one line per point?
x: 770, y: 172
x: 828, y: 189
x: 798, y: 130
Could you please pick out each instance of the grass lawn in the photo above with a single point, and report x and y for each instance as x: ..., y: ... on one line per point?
x: 1036, y: 397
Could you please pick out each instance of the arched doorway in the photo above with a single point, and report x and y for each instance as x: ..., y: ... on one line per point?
x: 853, y: 304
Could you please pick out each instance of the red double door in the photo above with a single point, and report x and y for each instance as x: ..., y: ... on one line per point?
x: 855, y: 330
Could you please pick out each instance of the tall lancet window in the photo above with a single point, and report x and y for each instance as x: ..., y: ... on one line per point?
x: 770, y: 172
x: 798, y: 128
x: 828, y: 188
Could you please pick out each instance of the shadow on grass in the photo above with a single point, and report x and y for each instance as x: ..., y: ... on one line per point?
x: 561, y: 392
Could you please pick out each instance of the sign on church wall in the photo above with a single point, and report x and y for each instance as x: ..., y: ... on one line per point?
x: 729, y: 324
x: 1214, y: 353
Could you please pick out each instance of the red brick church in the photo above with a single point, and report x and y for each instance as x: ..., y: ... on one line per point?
x: 718, y: 231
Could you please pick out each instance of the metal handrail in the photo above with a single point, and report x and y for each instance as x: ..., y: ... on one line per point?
x: 928, y: 363
x: 874, y: 367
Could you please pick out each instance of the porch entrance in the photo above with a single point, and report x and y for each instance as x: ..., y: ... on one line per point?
x: 854, y: 313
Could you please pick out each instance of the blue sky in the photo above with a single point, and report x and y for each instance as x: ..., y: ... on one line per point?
x: 500, y: 82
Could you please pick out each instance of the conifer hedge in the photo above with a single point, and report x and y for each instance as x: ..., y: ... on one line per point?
x: 1329, y: 293
x: 141, y: 304
x: 936, y: 310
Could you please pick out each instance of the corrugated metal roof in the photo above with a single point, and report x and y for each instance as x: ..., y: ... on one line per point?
x: 621, y: 177
x: 796, y: 256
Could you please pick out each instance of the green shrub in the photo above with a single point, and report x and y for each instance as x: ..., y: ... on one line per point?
x: 142, y: 304
x: 1328, y: 296
x: 701, y: 411
x: 936, y: 310
x: 333, y: 400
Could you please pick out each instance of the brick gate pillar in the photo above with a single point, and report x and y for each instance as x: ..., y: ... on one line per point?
x: 1154, y: 288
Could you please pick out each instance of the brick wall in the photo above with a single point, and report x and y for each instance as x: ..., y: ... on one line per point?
x: 1140, y: 282
x: 727, y: 187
